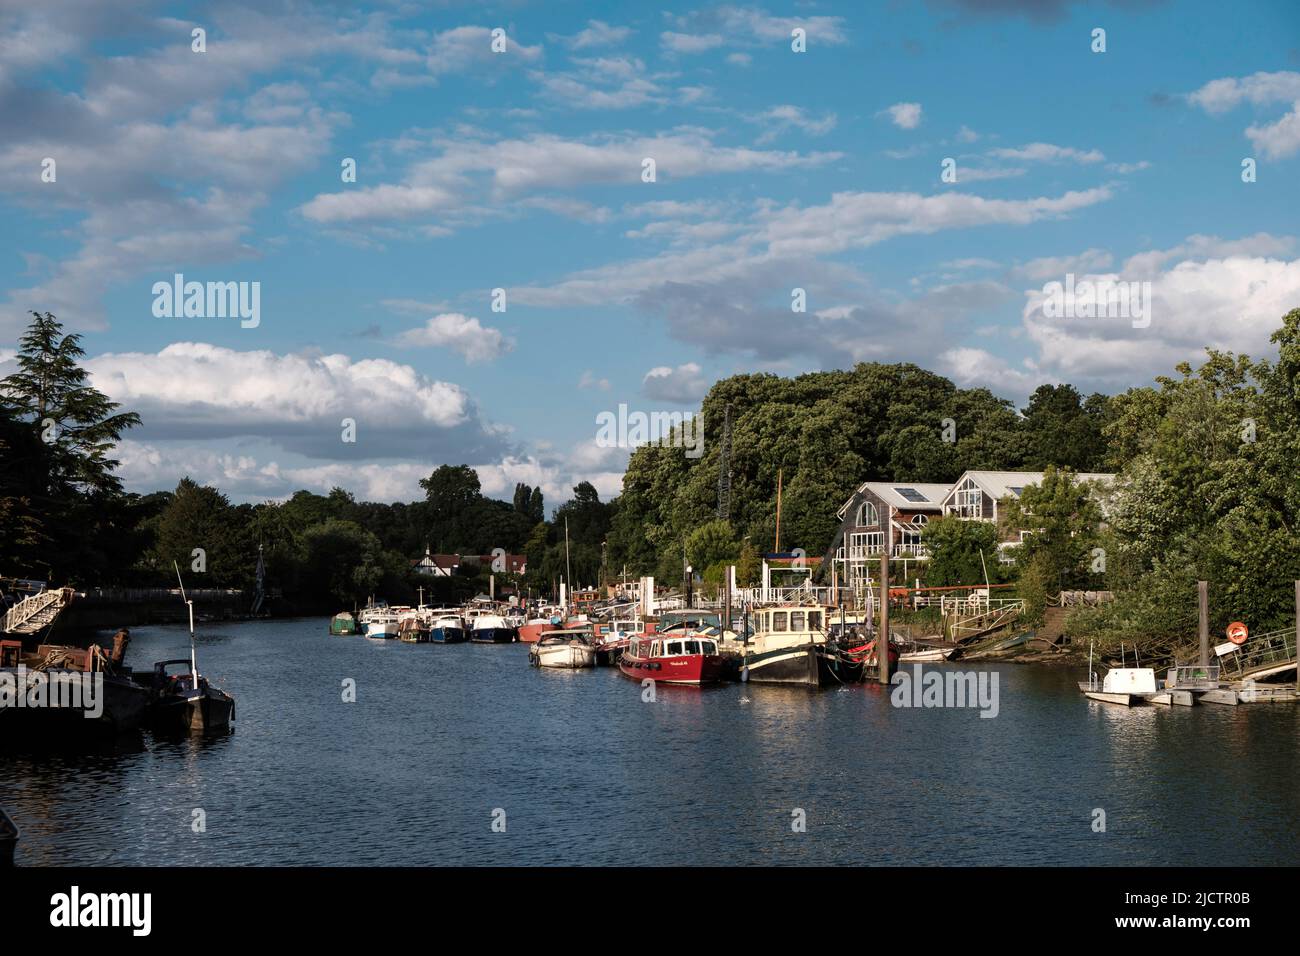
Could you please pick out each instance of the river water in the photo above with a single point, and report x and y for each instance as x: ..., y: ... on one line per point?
x: 444, y: 740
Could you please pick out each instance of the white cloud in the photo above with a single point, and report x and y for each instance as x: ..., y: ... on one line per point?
x: 462, y: 334
x: 1278, y: 140
x: 466, y: 167
x: 1054, y: 268
x: 198, y: 391
x: 458, y: 49
x: 1258, y: 89
x: 1233, y: 303
x: 596, y: 34
x: 904, y: 115
x: 689, y: 42
x: 1049, y: 153
x: 377, y: 202
x: 683, y: 385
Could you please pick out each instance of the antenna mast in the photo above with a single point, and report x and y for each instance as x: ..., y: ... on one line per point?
x: 724, y: 468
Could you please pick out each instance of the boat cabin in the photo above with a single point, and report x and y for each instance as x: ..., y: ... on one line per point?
x: 791, y: 620
x: 670, y: 645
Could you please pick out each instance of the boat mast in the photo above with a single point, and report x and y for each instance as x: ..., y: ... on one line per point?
x: 777, y: 548
x: 568, y: 571
x: 194, y: 663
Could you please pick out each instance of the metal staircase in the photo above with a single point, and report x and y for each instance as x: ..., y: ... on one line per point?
x: 1262, y: 656
x: 36, y: 611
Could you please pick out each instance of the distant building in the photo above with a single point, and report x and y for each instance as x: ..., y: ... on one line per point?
x: 976, y: 495
x: 445, y: 565
x: 890, y: 516
x: 884, y: 516
x: 436, y: 565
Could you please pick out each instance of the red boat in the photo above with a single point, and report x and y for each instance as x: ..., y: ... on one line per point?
x: 673, y: 659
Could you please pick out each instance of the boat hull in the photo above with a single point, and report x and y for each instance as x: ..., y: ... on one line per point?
x: 531, y: 633
x: 690, y: 669
x: 788, y: 665
x: 564, y: 656
x: 381, y: 631
x: 125, y: 705
x: 494, y: 635
x: 208, y: 713
x: 447, y: 635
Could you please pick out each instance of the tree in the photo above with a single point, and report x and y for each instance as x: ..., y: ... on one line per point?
x: 1061, y: 518
x: 201, y: 517
x: 57, y: 481
x: 961, y: 551
x: 78, y: 421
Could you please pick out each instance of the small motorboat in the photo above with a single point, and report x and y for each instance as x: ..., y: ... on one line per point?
x: 179, y: 706
x: 446, y: 627
x: 382, y: 625
x: 1122, y: 685
x: 9, y: 834
x: 186, y: 702
x: 412, y: 630
x: 673, y: 659
x: 571, y: 649
x: 344, y: 624
x: 492, y: 629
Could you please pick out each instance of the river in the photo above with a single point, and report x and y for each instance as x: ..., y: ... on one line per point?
x: 444, y: 741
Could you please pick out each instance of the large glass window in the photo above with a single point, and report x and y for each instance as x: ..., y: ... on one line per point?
x: 814, y: 620
x: 868, y: 516
x: 778, y: 620
x: 796, y: 620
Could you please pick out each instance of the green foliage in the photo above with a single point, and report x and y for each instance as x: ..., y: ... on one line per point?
x: 960, y: 551
x: 1061, y: 518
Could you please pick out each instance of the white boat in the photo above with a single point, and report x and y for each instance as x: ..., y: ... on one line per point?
x: 492, y: 629
x: 924, y: 655
x: 1122, y: 685
x: 380, y: 621
x: 570, y: 649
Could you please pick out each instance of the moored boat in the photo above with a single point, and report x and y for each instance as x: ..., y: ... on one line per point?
x: 412, y: 630
x: 344, y: 624
x: 789, y: 647
x: 492, y: 629
x: 178, y: 706
x: 446, y: 627
x: 569, y: 649
x: 673, y: 659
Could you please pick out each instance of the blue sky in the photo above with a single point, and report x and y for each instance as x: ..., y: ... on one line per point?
x: 522, y: 170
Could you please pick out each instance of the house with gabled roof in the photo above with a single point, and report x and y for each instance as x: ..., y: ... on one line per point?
x: 884, y: 517
x: 976, y: 496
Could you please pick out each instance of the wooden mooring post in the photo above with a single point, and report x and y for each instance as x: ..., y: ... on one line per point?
x: 882, y: 639
x: 1203, y: 630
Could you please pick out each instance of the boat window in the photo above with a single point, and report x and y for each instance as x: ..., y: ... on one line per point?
x: 814, y: 620
x: 708, y: 647
x: 796, y: 620
x: 675, y: 648
x: 692, y: 647
x: 779, y: 621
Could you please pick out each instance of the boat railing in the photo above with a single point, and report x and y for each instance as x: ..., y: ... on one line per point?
x: 1193, y: 677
